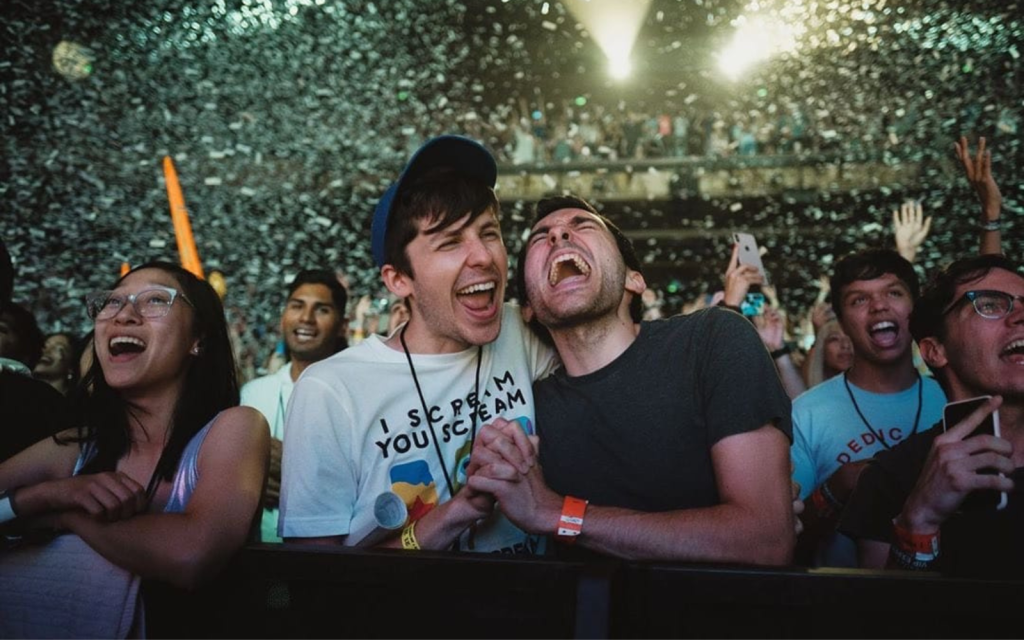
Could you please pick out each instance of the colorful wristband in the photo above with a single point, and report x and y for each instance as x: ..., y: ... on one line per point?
x: 821, y: 504
x: 570, y: 524
x: 923, y: 545
x: 825, y: 502
x: 409, y: 540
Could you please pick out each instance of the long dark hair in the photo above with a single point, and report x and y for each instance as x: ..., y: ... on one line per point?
x: 210, y: 386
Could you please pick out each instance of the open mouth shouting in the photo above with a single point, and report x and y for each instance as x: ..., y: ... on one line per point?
x: 1014, y: 352
x: 124, y: 347
x: 884, y: 334
x: 566, y: 266
x: 479, y: 297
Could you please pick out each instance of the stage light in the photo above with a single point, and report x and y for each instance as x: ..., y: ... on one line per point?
x: 614, y: 25
x: 756, y: 39
x: 619, y: 68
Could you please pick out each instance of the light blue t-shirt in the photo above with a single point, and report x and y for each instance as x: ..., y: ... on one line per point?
x: 828, y: 432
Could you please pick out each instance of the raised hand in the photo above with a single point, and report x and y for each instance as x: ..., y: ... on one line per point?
x: 821, y: 313
x: 770, y: 326
x: 739, y: 278
x: 952, y: 471
x: 910, y: 228
x: 978, y: 170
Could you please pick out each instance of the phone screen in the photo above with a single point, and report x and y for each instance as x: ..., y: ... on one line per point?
x: 953, y: 413
x: 752, y: 304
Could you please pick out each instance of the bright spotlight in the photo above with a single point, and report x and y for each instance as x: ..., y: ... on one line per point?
x: 756, y: 39
x: 619, y: 68
x: 614, y: 25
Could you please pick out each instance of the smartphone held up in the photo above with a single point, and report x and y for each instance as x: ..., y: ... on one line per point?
x: 953, y: 414
x: 750, y: 253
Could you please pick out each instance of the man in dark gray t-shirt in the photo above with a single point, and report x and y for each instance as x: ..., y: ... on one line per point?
x: 664, y: 440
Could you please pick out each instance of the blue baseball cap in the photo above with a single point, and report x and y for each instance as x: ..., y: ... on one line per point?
x: 460, y: 153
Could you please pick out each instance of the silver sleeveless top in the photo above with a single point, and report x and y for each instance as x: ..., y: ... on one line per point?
x: 185, y: 478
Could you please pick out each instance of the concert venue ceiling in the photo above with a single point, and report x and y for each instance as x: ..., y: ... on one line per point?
x: 287, y: 118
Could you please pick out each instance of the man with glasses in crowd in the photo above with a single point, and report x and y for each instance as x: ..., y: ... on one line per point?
x: 911, y: 508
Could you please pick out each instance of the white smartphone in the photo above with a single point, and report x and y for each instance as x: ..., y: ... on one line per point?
x: 952, y: 414
x: 750, y: 254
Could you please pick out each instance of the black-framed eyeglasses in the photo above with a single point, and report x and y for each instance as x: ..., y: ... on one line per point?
x: 154, y: 302
x: 989, y: 304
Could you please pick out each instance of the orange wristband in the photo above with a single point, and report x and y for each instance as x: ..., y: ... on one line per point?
x: 926, y: 544
x: 570, y: 524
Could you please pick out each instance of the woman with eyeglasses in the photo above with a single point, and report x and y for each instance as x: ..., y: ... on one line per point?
x: 163, y: 476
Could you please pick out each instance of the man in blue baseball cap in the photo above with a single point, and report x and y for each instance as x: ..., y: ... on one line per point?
x: 398, y: 416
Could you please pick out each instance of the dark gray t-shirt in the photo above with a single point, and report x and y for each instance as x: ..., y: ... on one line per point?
x: 638, y: 433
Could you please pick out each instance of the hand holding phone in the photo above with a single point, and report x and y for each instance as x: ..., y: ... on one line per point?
x: 955, y: 413
x: 750, y: 253
x: 743, y: 278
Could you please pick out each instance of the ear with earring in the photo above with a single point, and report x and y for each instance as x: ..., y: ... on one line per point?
x: 195, y: 350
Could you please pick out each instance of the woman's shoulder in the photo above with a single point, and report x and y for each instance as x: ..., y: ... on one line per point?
x: 238, y: 426
x: 243, y: 416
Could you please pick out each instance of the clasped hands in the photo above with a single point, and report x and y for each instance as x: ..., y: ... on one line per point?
x: 504, y: 466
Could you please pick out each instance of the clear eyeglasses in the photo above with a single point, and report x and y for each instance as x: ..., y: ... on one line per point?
x: 154, y: 302
x: 989, y: 304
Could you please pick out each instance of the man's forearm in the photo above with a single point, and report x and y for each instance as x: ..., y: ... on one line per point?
x: 725, y: 533
x: 441, y: 526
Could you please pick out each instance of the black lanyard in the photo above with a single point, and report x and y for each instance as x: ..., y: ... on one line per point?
x: 878, y: 434
x: 426, y: 409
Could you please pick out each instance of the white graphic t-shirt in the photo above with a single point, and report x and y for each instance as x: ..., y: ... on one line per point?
x: 356, y: 429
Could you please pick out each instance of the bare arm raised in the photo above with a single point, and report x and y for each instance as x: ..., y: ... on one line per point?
x: 979, y: 173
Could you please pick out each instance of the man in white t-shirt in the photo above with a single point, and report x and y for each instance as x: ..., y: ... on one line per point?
x: 313, y: 327
x: 392, y: 421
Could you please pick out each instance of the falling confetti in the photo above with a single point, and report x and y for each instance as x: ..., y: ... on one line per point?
x: 291, y: 116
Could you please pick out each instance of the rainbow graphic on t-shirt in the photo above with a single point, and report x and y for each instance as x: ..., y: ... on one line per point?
x: 415, y: 484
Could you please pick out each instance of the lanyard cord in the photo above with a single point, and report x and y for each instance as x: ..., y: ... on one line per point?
x: 426, y: 410
x: 878, y: 434
x: 279, y: 415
